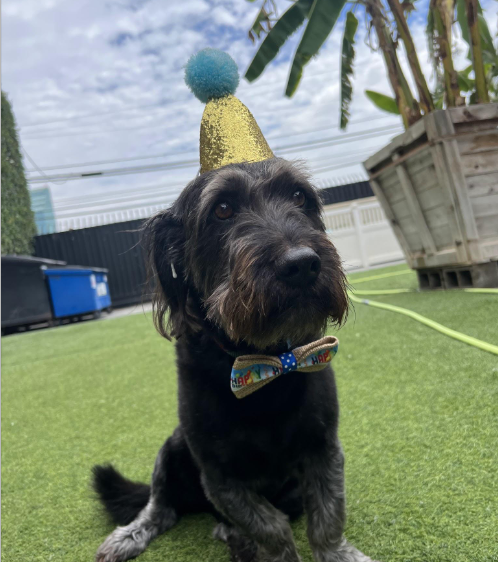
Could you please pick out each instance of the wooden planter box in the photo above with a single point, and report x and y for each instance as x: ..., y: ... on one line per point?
x: 438, y: 186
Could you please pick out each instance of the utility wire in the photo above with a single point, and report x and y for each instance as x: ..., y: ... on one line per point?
x: 43, y: 175
x: 138, y: 195
x: 165, y: 155
x: 311, y: 145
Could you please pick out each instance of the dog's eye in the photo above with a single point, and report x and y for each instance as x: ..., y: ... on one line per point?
x: 223, y: 210
x: 299, y: 198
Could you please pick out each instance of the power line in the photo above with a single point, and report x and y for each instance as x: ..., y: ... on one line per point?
x: 322, y: 143
x: 33, y: 163
x: 140, y: 194
x: 165, y: 155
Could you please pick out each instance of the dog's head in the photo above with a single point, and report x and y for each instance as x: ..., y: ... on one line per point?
x: 244, y: 248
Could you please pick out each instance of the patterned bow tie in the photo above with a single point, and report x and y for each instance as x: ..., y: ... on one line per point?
x: 251, y: 372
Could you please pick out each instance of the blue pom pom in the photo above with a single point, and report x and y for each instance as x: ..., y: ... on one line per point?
x: 211, y: 73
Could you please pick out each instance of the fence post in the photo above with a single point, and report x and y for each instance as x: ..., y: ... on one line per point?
x: 355, y: 212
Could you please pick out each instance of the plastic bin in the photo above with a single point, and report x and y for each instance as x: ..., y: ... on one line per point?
x: 78, y: 290
x: 25, y: 297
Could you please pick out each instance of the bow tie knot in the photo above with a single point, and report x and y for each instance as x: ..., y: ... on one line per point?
x: 251, y: 372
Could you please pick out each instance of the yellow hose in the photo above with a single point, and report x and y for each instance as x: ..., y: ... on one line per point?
x: 434, y: 325
x: 381, y: 276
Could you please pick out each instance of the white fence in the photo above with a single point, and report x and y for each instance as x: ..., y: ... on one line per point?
x: 361, y: 233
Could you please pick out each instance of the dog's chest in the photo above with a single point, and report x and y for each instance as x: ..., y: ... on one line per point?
x: 263, y: 436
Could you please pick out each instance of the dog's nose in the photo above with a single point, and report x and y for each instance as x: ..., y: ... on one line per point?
x: 298, y: 267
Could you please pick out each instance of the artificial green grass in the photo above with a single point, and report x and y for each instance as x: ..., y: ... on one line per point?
x: 418, y: 423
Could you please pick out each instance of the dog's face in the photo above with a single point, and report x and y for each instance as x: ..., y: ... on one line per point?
x: 244, y: 248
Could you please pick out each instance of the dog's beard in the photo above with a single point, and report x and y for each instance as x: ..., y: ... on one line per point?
x: 250, y: 305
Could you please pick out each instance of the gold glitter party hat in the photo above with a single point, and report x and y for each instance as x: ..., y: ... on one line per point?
x: 229, y: 132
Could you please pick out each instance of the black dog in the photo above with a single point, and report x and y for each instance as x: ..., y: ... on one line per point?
x: 243, y: 265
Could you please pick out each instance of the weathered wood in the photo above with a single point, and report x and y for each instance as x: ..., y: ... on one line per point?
x: 478, y: 112
x: 485, y: 206
x: 457, y: 179
x: 401, y: 209
x: 424, y: 180
x: 438, y: 124
x: 392, y: 220
x: 455, y: 221
x: 487, y: 227
x: 405, y: 139
x: 420, y: 161
x: 479, y: 164
x: 415, y: 209
x: 464, y: 128
x: 475, y: 142
x: 443, y: 194
x: 482, y: 185
x: 446, y: 257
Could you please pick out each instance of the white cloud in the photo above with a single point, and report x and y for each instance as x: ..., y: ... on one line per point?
x: 78, y: 63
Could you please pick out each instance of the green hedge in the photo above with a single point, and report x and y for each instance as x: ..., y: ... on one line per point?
x: 18, y: 223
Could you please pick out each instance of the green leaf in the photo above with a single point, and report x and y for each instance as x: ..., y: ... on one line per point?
x: 321, y: 20
x: 347, y: 59
x: 383, y: 102
x: 465, y: 84
x: 286, y: 25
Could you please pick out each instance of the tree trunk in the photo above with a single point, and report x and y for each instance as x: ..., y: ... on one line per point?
x: 426, y: 102
x: 476, y: 50
x: 443, y: 22
x: 408, y: 106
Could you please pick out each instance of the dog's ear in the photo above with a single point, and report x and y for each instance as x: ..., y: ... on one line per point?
x: 174, y: 306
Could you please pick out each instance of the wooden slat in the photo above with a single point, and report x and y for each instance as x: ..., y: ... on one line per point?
x: 475, y: 126
x: 392, y: 220
x: 431, y: 198
x: 486, y: 206
x: 478, y: 112
x: 455, y: 219
x: 419, y: 162
x: 401, y: 209
x: 482, y: 141
x: 423, y: 180
x: 480, y: 164
x: 457, y: 180
x: 442, y: 237
x: 415, y: 209
x: 487, y: 227
x: 482, y: 185
x: 405, y: 139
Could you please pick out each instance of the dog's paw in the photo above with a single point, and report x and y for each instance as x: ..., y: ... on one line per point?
x: 123, y: 544
x: 346, y: 552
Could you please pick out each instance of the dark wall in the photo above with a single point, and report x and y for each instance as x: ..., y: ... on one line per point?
x: 113, y: 246
x: 341, y: 193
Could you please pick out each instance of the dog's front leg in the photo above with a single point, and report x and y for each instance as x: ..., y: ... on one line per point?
x: 324, y: 502
x: 256, y: 518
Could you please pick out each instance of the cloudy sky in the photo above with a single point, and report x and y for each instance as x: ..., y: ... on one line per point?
x: 98, y: 85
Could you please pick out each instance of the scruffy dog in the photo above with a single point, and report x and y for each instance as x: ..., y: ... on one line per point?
x: 243, y: 265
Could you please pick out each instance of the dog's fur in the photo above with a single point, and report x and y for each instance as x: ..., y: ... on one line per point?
x: 256, y: 462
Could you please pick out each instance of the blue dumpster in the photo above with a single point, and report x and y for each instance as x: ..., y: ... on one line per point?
x: 78, y: 290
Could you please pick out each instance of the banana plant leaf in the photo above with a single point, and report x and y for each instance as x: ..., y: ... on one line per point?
x: 347, y: 59
x: 383, y: 102
x: 285, y: 26
x: 321, y: 20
